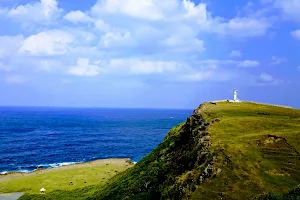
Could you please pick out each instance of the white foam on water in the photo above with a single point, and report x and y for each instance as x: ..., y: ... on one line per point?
x: 45, y: 166
x: 18, y: 171
x: 54, y: 165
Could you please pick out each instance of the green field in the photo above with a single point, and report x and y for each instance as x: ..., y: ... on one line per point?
x: 64, y: 178
x: 223, y: 151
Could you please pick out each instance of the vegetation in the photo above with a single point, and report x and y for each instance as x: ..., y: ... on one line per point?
x: 292, y: 195
x: 227, y: 150
x: 65, y: 178
x: 263, y: 144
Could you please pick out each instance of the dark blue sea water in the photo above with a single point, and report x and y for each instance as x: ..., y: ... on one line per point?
x: 49, y: 137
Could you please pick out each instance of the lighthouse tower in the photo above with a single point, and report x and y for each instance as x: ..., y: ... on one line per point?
x: 235, y: 97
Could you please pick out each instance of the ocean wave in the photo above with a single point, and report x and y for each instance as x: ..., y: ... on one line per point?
x: 54, y: 165
x: 32, y: 168
x: 17, y: 171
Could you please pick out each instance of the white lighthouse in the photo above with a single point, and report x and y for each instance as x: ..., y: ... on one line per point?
x: 235, y: 94
x: 235, y: 97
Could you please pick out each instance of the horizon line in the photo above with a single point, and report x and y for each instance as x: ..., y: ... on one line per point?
x: 90, y: 107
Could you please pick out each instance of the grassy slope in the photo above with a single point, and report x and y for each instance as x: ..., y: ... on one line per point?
x: 258, y: 163
x: 80, y: 175
x: 224, y: 150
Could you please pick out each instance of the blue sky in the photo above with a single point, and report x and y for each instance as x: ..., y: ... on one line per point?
x: 148, y: 53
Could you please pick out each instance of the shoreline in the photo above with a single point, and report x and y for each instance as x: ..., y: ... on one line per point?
x: 99, y: 162
x: 55, y: 165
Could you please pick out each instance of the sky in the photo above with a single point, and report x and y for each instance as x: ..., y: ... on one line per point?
x: 148, y: 53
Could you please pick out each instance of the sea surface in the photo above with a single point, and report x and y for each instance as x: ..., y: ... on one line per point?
x: 41, y: 137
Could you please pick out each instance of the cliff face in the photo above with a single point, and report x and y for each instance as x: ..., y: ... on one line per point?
x: 173, y: 170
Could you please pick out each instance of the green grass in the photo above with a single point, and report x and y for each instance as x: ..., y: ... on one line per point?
x: 254, y: 168
x: 61, y: 179
x: 291, y: 195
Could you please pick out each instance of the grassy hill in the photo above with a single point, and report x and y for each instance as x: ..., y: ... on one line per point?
x: 222, y: 151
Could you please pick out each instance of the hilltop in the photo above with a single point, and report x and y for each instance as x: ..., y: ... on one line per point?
x: 223, y: 151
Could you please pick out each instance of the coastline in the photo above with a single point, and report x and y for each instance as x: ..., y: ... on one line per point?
x: 100, y: 162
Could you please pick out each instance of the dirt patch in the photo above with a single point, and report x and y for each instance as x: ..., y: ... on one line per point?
x: 275, y: 143
x: 276, y: 172
x: 281, y: 154
x: 272, y: 138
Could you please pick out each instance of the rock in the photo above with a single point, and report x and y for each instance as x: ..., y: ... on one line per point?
x: 217, y: 120
x: 201, y: 179
x: 208, y: 171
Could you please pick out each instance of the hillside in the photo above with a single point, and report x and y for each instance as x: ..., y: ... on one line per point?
x: 222, y: 151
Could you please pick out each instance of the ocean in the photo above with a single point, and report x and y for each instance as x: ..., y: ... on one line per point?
x: 43, y: 137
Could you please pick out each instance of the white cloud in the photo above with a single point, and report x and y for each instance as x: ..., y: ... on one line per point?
x: 277, y: 61
x: 166, y: 36
x: 167, y: 70
x: 266, y: 77
x: 296, y: 34
x: 142, y: 9
x: 77, y: 17
x: 146, y: 67
x: 235, y: 54
x: 290, y: 8
x: 54, y: 42
x: 197, y: 76
x: 9, y: 45
x: 101, y: 25
x: 138, y: 66
x: 248, y: 63
x: 243, y: 27
x: 116, y: 38
x: 170, y: 28
x: 84, y: 68
x: 15, y: 79
x: 49, y: 7
x: 181, y: 12
x: 36, y: 12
